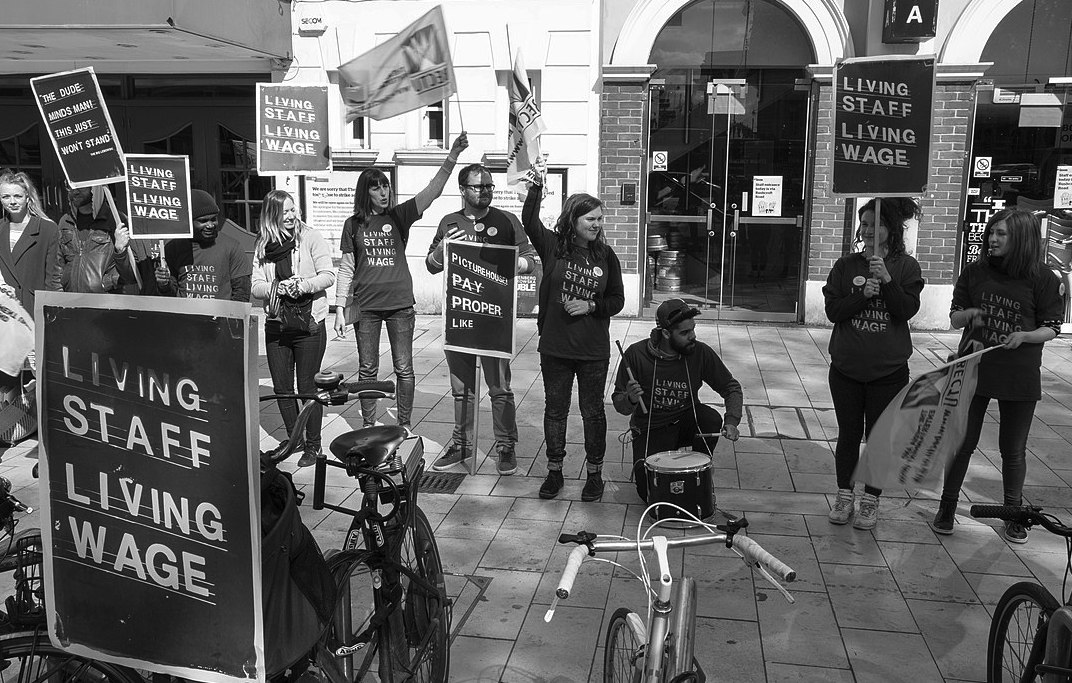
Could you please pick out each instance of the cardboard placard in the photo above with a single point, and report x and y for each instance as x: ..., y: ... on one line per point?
x: 292, y: 128
x: 150, y: 482
x: 479, y: 308
x: 158, y: 196
x: 76, y: 117
x: 882, y: 126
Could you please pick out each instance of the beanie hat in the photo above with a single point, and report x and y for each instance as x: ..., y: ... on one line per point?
x: 202, y: 204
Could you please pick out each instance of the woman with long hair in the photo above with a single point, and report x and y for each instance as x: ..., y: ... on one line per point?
x: 1007, y: 298
x: 291, y: 270
x: 580, y: 291
x: 870, y: 297
x: 374, y: 274
x: 29, y: 241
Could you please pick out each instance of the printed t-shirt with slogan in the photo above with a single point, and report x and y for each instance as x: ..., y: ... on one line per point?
x: 568, y: 336
x: 206, y: 272
x: 382, y: 281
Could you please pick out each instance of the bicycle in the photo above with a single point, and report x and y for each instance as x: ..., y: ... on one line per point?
x: 392, y: 614
x: 1030, y: 633
x: 660, y: 649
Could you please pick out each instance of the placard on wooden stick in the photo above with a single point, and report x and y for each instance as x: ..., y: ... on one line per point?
x: 292, y: 128
x: 158, y: 196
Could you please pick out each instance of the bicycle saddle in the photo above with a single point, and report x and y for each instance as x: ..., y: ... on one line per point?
x: 371, y: 446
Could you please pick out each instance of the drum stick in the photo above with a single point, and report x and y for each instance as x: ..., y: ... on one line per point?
x: 629, y: 372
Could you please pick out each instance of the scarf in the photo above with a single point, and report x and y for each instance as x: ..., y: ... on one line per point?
x: 281, y: 254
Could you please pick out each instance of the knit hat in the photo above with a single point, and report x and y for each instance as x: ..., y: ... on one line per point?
x: 202, y: 204
x: 673, y: 311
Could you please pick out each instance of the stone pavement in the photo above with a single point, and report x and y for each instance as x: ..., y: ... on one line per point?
x: 895, y: 604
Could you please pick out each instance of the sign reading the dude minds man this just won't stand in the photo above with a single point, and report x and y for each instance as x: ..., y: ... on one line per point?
x: 292, y: 128
x: 479, y: 309
x: 882, y: 125
x: 81, y: 130
x: 158, y: 195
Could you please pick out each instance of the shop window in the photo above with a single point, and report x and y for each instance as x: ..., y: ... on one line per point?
x: 434, y: 125
x: 1032, y: 43
x: 22, y: 152
x: 241, y: 188
x: 180, y: 143
x: 359, y: 132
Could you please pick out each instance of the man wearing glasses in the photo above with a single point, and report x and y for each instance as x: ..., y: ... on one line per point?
x: 479, y: 221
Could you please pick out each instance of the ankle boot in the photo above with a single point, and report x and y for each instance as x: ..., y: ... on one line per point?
x: 943, y: 520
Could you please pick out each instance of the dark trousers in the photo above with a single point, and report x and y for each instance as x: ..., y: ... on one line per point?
x: 298, y: 354
x: 1015, y: 424
x: 400, y: 324
x: 857, y: 406
x: 678, y: 434
x: 558, y: 374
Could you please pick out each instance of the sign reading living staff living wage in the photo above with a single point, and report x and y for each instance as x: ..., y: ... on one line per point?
x: 481, y: 298
x: 78, y: 123
x: 148, y: 473
x: 882, y: 126
x: 292, y: 128
x: 158, y: 194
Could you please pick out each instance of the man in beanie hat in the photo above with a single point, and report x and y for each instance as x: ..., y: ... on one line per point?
x: 209, y: 266
x: 661, y: 396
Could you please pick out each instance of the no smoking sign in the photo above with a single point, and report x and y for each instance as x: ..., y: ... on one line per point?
x: 982, y: 167
x: 658, y: 161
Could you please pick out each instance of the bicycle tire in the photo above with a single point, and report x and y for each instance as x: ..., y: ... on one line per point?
x: 1022, y: 611
x: 425, y: 606
x: 622, y: 648
x: 31, y: 658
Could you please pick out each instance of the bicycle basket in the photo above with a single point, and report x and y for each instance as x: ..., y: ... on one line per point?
x: 27, y: 606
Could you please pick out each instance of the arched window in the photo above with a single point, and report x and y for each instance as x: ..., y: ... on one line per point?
x: 1032, y: 43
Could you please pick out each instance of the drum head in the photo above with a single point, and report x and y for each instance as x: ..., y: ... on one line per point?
x: 677, y: 461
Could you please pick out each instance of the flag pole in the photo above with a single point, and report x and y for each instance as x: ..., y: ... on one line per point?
x: 461, y: 119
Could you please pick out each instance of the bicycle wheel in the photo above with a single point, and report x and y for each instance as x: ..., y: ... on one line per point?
x: 31, y: 658
x: 1012, y: 649
x: 623, y: 648
x: 425, y: 609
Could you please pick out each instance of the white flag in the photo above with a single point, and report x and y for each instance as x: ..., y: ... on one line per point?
x: 526, y: 124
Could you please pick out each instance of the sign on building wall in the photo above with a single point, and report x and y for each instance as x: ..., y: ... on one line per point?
x: 882, y: 126
x: 480, y: 298
x: 327, y: 201
x: 292, y: 128
x: 910, y: 21
x: 158, y: 196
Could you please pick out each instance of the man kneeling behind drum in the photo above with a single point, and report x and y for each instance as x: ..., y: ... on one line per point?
x: 668, y: 370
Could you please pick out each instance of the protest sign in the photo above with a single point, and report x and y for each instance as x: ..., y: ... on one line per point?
x: 409, y: 71
x: 149, y: 479
x: 292, y: 128
x: 481, y: 298
x: 882, y: 126
x: 81, y: 130
x: 158, y: 194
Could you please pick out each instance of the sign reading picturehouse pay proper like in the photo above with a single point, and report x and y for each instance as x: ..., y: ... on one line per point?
x: 81, y: 130
x: 292, y: 128
x: 479, y: 309
x: 882, y: 126
x: 158, y: 194
x: 148, y: 467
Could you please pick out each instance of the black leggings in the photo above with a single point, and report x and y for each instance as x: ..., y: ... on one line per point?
x: 678, y: 434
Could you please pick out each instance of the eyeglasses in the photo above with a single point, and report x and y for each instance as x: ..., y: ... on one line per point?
x: 486, y: 187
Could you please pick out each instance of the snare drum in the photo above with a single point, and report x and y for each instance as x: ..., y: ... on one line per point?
x: 684, y: 479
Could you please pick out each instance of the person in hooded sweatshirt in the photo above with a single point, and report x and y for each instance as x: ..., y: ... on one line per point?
x: 662, y: 396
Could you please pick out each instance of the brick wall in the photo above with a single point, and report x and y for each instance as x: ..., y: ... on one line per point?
x: 621, y: 160
x: 937, y: 238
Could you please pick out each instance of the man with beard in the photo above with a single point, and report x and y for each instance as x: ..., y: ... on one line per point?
x: 661, y: 397
x: 209, y: 266
x: 478, y: 221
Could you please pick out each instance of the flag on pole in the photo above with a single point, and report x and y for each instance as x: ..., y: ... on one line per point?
x: 409, y: 71
x: 922, y: 428
x: 526, y: 124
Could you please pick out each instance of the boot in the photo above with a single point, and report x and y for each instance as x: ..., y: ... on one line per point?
x: 944, y: 518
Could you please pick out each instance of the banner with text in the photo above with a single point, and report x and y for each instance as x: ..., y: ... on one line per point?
x: 149, y: 483
x: 292, y: 128
x: 81, y: 130
x: 882, y: 126
x: 158, y: 196
x: 479, y: 309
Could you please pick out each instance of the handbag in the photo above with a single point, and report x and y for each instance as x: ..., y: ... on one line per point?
x: 296, y: 315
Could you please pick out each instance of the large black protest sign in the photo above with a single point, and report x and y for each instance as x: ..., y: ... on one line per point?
x: 882, y: 126
x: 481, y: 298
x: 80, y: 127
x: 292, y: 128
x: 148, y: 449
x: 158, y: 194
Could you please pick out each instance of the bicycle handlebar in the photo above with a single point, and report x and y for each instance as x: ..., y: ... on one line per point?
x: 1025, y: 515
x: 755, y: 555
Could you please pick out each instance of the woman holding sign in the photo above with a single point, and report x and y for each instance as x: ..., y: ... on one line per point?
x: 870, y: 297
x: 1007, y: 298
x: 374, y: 272
x: 291, y: 269
x: 580, y: 291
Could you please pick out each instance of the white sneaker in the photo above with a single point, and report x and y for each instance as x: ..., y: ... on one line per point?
x: 867, y: 517
x: 843, y: 507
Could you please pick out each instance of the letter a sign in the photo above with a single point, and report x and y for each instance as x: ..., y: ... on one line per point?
x: 909, y: 21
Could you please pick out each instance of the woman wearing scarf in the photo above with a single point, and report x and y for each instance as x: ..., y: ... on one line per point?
x: 291, y: 272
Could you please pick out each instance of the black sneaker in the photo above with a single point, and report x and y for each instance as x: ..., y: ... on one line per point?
x: 309, y: 457
x: 944, y: 518
x: 455, y: 454
x: 1015, y: 533
x: 552, y: 484
x: 507, y: 460
x: 593, y: 488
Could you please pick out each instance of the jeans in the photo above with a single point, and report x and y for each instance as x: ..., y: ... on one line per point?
x: 1015, y: 424
x: 296, y: 353
x: 558, y: 374
x: 400, y: 325
x: 462, y: 387
x: 857, y: 406
x: 677, y: 434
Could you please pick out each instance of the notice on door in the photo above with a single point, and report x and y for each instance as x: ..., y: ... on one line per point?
x: 882, y: 126
x: 767, y: 195
x: 1062, y: 190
